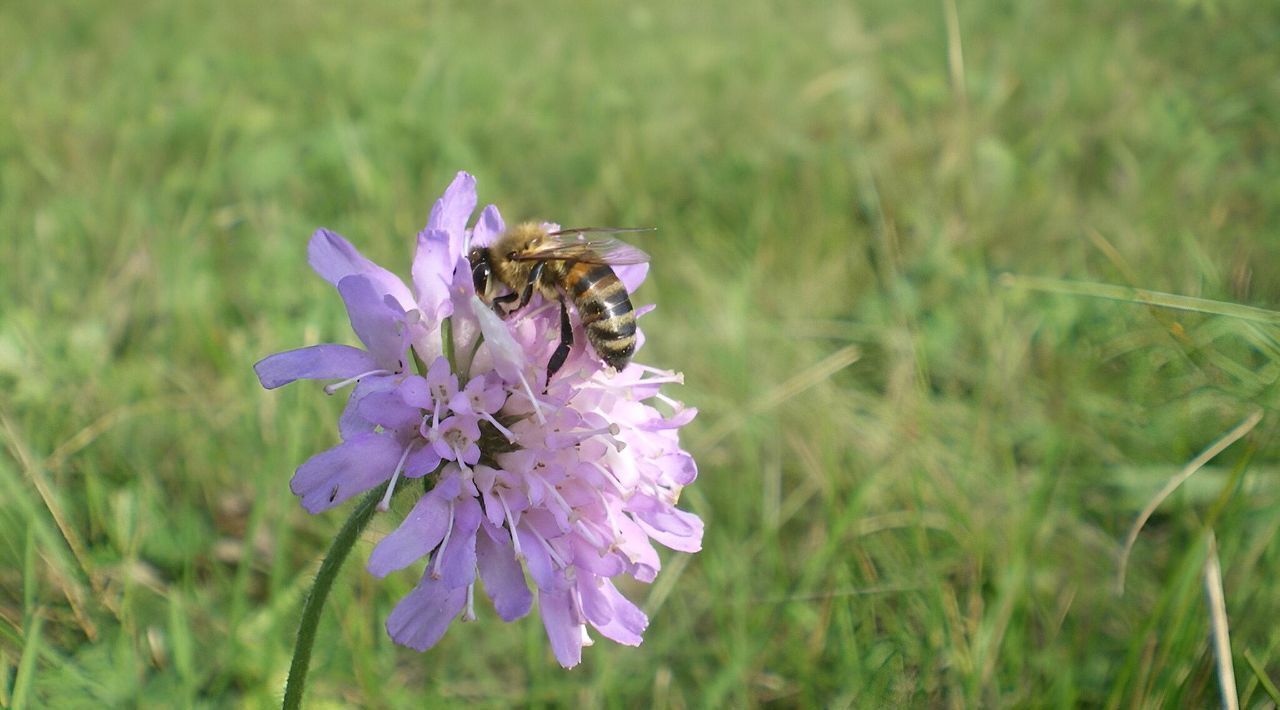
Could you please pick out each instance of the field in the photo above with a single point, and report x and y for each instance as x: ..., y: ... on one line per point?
x: 885, y: 232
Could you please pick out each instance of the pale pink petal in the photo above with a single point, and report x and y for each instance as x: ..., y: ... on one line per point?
x: 631, y: 275
x: 509, y: 358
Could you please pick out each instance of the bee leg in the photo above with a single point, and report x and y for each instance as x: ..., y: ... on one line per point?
x: 500, y: 301
x: 535, y: 275
x: 566, y: 342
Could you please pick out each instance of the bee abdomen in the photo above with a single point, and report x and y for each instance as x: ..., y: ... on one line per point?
x: 606, y: 312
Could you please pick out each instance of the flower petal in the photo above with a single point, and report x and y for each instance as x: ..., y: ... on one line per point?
x: 387, y: 410
x: 421, y: 462
x: 458, y: 558
x: 414, y: 391
x: 334, y: 258
x: 422, y: 530
x: 488, y: 228
x: 455, y: 206
x: 536, y: 558
x: 612, y: 614
x: 635, y: 545
x: 667, y: 524
x: 678, y: 468
x: 631, y: 275
x: 586, y: 557
x: 351, y: 422
x: 509, y: 359
x: 352, y: 467
x: 500, y: 571
x: 317, y: 362
x: 377, y: 324
x: 433, y: 267
x: 564, y: 632
x: 422, y: 617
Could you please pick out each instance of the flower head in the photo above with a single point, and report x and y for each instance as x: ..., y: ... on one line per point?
x: 572, y: 485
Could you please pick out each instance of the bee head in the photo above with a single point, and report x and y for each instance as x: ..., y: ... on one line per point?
x: 481, y: 271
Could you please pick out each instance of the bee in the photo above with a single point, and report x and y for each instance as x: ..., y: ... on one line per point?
x: 569, y: 264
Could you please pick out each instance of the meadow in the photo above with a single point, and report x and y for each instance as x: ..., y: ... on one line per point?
x: 924, y: 431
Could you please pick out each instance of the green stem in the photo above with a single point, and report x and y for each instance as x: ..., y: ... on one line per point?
x: 475, y: 348
x: 320, y: 591
x: 446, y: 341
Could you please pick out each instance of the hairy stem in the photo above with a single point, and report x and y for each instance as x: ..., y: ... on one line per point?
x: 320, y: 591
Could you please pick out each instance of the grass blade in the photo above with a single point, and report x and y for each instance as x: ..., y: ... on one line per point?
x: 1196, y: 464
x: 27, y: 664
x: 1260, y: 673
x: 1143, y: 296
x: 1220, y: 635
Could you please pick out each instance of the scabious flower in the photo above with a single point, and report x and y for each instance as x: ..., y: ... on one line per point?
x: 570, y: 480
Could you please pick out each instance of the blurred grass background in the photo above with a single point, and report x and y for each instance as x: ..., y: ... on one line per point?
x: 915, y: 480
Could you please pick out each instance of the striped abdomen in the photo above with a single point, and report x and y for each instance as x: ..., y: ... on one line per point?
x: 605, y: 310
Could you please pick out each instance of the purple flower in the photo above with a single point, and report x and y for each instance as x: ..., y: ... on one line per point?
x: 571, y: 486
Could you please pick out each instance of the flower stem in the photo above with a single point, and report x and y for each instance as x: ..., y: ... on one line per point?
x: 475, y: 348
x: 446, y: 342
x: 320, y: 591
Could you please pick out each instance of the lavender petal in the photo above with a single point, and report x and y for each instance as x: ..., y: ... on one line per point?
x: 421, y: 462
x: 675, y: 528
x: 422, y: 617
x: 420, y: 532
x: 488, y: 227
x: 564, y: 632
x: 500, y: 571
x: 334, y: 258
x: 316, y: 362
x: 351, y: 422
x: 536, y: 558
x: 433, y: 274
x: 352, y: 467
x: 458, y: 558
x: 378, y: 326
x: 612, y: 614
x: 387, y: 410
x: 451, y: 212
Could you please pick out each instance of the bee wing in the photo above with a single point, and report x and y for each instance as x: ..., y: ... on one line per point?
x: 594, y: 250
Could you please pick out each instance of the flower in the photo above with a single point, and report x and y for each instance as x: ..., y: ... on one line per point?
x: 572, y: 485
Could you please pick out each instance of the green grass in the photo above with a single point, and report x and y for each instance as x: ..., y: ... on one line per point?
x: 934, y: 522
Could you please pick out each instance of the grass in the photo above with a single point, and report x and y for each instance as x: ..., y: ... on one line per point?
x: 916, y: 478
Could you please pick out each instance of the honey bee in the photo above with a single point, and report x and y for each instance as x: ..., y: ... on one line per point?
x: 573, y: 263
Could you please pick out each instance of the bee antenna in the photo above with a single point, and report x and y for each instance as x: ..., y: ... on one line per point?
x: 602, y: 230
